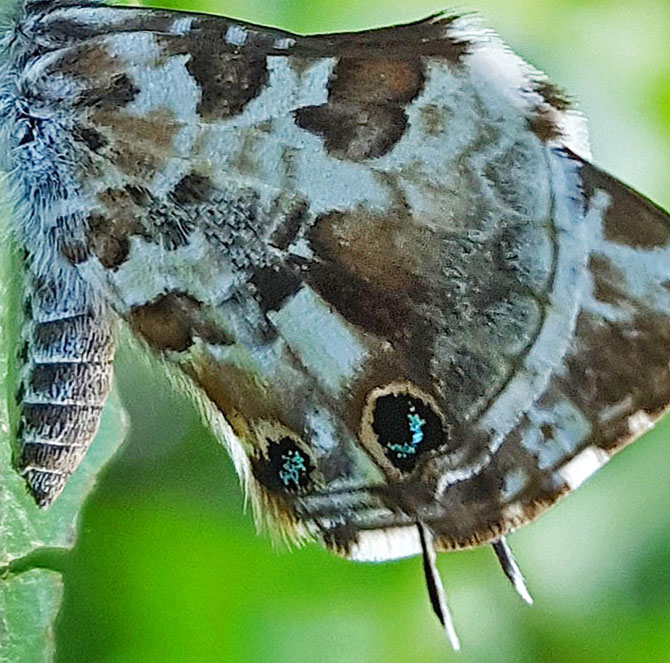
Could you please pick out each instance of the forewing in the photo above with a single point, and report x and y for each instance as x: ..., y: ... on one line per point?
x: 403, y: 296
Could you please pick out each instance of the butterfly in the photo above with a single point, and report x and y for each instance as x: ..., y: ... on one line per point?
x: 382, y: 259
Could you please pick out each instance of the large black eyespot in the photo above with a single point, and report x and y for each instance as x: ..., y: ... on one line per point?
x: 406, y: 427
x: 284, y: 467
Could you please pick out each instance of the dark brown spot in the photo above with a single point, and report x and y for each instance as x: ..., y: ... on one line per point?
x: 274, y: 284
x: 135, y: 162
x: 377, y: 80
x: 67, y: 31
x: 117, y: 91
x: 93, y: 139
x: 171, y: 322
x: 233, y: 390
x: 125, y: 215
x: 140, y: 196
x: 123, y: 205
x: 354, y: 133
x: 363, y: 269
x: 630, y: 218
x: 192, y: 189
x: 291, y: 219
x: 108, y: 240
x: 362, y: 303
x: 483, y: 489
x: 167, y: 323
x: 72, y: 30
x: 228, y: 81
x: 364, y: 117
x: 156, y: 129
x: 141, y: 144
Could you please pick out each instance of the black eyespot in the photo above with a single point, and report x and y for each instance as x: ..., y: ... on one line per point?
x: 285, y: 467
x: 406, y: 427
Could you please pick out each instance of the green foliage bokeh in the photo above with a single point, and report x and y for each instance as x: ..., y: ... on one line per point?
x: 168, y: 566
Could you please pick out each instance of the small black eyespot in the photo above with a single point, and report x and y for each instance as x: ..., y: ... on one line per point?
x: 406, y: 427
x: 285, y: 467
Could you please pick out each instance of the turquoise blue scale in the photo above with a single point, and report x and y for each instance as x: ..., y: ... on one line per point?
x: 416, y: 424
x: 293, y: 465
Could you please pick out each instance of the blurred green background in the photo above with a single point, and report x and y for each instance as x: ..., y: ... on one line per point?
x: 168, y: 566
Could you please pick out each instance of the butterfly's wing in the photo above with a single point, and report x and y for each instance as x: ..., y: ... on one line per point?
x: 401, y: 293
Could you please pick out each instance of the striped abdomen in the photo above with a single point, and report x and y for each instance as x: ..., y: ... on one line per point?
x: 66, y: 376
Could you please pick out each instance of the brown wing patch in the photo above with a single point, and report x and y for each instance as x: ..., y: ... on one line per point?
x: 228, y: 77
x: 367, y: 276
x: 274, y: 284
x: 108, y: 240
x: 117, y: 91
x: 365, y: 117
x: 171, y: 322
x: 630, y: 219
x: 234, y: 391
x: 354, y: 133
x: 105, y: 83
x: 137, y: 146
x: 622, y: 368
x: 377, y: 80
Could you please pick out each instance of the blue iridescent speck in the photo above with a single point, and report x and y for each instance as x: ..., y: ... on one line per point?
x: 416, y: 424
x: 293, y: 465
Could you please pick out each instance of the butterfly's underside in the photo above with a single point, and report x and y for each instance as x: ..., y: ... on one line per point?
x: 414, y: 312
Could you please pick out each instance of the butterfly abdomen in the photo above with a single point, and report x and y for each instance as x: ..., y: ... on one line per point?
x: 64, y: 380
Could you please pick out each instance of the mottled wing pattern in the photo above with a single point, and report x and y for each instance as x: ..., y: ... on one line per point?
x: 403, y: 295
